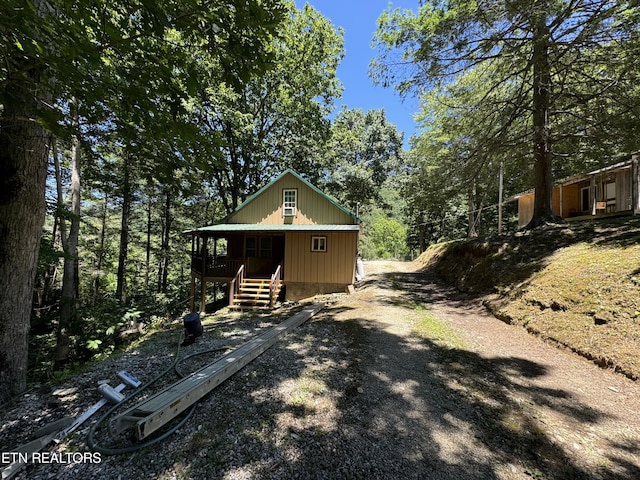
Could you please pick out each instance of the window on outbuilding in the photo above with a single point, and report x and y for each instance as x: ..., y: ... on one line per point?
x: 290, y: 200
x: 319, y: 244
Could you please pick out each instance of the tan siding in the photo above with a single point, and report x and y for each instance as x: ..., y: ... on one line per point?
x: 312, y: 208
x: 567, y: 199
x: 555, y: 201
x: 525, y: 204
x: 570, y: 200
x: 334, y: 266
x: 525, y: 209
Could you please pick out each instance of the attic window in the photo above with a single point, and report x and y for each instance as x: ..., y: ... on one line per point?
x: 290, y: 202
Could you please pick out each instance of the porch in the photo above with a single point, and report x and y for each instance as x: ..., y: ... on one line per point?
x: 608, y: 191
x: 215, y: 268
x: 245, y: 265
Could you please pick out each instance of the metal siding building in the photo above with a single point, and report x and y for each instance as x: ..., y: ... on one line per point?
x: 290, y: 227
x: 611, y: 190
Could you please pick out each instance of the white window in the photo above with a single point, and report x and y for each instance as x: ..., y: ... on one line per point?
x: 290, y: 202
x: 610, y: 191
x: 318, y: 244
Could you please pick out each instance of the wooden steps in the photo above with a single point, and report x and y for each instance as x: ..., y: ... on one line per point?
x: 254, y: 293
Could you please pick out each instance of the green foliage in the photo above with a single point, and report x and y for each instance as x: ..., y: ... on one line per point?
x: 384, y: 238
x: 477, y: 68
x: 365, y: 151
x: 275, y: 120
x: 463, y: 128
x: 48, y: 254
x: 96, y: 332
x: 131, y: 69
x: 363, y: 170
x: 94, y: 344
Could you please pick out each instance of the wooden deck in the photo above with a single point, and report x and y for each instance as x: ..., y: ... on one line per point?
x: 216, y: 269
x: 243, y: 292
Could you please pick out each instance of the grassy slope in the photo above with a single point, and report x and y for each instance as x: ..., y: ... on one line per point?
x: 577, y: 284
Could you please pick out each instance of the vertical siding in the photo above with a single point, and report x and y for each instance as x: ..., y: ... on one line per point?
x: 570, y: 200
x: 555, y: 201
x: 336, y: 265
x: 312, y: 208
x: 525, y: 209
x: 623, y: 190
x: 570, y: 203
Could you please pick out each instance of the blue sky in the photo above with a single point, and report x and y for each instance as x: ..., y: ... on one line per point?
x: 358, y: 19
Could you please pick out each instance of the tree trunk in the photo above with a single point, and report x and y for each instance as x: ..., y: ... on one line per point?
x: 69, y: 297
x: 121, y: 288
x: 160, y: 262
x: 24, y: 148
x: 543, y: 182
x: 422, y: 244
x: 471, y: 211
x: 52, y: 270
x: 163, y: 271
x: 97, y: 279
x: 148, y: 246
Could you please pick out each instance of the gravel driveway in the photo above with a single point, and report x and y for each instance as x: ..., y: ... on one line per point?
x: 357, y: 393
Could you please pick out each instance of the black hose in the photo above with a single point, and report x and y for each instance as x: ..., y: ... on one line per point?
x: 134, y: 448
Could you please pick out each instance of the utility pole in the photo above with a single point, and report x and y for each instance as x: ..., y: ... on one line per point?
x: 500, y: 198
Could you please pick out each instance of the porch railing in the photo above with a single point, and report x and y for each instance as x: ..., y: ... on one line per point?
x: 274, y: 285
x: 216, y: 267
x: 235, y: 284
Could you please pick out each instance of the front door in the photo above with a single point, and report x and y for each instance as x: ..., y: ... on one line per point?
x: 585, y: 199
x: 263, y: 253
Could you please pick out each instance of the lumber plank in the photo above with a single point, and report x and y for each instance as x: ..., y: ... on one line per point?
x: 153, y: 413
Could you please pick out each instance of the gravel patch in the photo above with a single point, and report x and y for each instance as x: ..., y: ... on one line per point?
x: 356, y: 393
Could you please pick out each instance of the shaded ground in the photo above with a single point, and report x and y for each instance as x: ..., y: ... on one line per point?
x: 503, y: 405
x: 358, y: 392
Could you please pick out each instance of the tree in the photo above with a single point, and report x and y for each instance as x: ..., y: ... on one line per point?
x: 24, y: 89
x: 467, y: 129
x: 52, y: 49
x: 276, y: 120
x: 70, y: 288
x: 542, y: 42
x: 365, y: 150
x: 384, y: 238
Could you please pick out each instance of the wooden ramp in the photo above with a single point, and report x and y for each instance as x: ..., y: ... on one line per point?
x: 154, y: 412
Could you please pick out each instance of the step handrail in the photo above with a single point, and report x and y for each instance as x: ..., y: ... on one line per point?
x: 274, y: 284
x: 235, y: 284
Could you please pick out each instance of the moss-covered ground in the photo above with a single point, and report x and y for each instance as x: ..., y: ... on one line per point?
x: 576, y: 284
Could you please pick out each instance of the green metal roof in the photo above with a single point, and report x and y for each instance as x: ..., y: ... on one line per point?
x: 270, y: 227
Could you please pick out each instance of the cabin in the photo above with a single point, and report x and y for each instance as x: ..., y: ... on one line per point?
x: 288, y: 240
x: 612, y: 190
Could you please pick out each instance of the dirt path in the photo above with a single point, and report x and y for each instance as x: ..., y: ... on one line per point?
x: 358, y: 393
x: 504, y: 405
